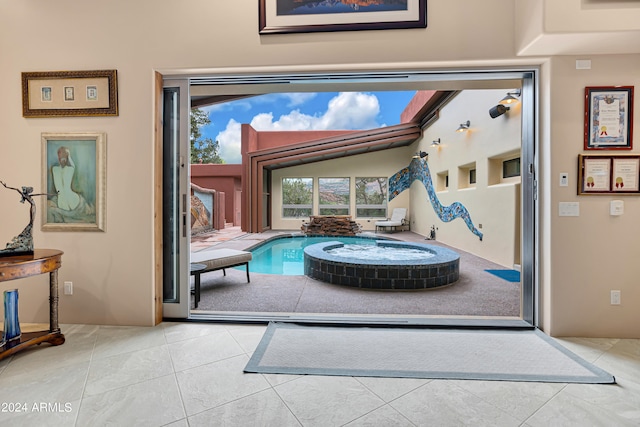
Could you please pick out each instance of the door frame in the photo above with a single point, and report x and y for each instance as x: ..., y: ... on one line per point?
x: 460, y: 79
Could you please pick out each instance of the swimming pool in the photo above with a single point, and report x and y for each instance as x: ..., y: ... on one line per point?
x: 285, y: 255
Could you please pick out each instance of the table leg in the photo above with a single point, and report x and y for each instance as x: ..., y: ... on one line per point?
x: 53, y: 301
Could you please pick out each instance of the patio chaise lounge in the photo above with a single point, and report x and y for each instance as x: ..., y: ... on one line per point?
x: 217, y: 259
x: 397, y: 219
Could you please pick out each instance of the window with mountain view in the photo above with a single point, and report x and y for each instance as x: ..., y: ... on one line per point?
x: 297, y: 197
x: 371, y: 197
x: 334, y: 196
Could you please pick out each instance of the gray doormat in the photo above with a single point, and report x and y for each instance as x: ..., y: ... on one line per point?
x: 507, y: 355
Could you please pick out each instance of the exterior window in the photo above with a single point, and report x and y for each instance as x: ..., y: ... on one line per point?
x: 472, y: 176
x: 333, y: 196
x: 297, y: 197
x: 371, y: 197
x: 511, y: 168
x: 442, y: 181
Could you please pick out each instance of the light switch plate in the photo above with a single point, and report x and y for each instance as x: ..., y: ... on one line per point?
x: 564, y: 179
x: 569, y: 209
x: 583, y: 64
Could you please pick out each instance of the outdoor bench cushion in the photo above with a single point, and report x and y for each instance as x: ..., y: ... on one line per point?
x: 217, y: 259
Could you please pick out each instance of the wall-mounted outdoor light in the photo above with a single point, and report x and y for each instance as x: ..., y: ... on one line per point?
x: 420, y: 155
x: 511, y: 98
x: 498, y: 110
x: 464, y: 126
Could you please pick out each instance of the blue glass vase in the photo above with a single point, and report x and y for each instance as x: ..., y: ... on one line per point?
x: 11, y: 322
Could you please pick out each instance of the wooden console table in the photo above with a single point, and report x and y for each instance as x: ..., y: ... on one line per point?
x: 18, y: 267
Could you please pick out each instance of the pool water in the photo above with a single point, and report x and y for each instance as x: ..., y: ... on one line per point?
x: 285, y: 255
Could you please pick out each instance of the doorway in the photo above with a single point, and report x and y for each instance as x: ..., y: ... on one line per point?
x: 225, y: 86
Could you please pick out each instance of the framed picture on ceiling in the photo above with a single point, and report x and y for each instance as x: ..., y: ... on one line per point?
x: 608, y: 118
x: 74, y: 178
x: 307, y: 16
x: 70, y: 93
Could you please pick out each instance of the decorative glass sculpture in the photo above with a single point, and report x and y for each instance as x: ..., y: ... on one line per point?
x: 11, y: 322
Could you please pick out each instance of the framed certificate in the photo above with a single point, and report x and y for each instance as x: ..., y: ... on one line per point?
x: 625, y: 174
x: 609, y: 174
x: 608, y: 118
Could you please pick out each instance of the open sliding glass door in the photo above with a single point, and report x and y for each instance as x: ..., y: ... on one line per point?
x: 176, y: 227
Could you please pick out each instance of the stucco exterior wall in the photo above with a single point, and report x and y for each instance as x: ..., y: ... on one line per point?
x: 224, y: 178
x: 492, y: 202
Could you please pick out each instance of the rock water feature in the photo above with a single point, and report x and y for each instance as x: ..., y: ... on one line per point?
x: 331, y: 225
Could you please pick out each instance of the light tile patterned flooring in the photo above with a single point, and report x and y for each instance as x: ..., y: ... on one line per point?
x: 190, y: 374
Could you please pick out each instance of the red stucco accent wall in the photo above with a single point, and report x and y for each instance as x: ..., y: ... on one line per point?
x: 223, y: 178
x: 272, y: 139
x: 416, y: 105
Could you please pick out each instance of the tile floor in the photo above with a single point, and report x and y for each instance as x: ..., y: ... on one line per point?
x: 190, y: 374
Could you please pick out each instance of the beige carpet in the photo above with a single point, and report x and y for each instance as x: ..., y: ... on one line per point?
x: 508, y: 355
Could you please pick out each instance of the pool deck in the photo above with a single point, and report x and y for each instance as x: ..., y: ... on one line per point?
x: 477, y: 293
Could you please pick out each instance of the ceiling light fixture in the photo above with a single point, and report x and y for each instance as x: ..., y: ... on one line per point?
x: 435, y: 142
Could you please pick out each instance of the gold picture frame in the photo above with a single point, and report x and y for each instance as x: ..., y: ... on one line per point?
x: 70, y: 93
x: 74, y: 177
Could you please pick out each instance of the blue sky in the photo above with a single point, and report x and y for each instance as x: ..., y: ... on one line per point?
x: 302, y: 111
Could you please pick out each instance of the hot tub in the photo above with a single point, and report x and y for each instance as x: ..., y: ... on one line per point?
x: 436, y: 267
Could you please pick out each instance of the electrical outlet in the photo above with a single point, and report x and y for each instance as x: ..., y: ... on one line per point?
x: 615, y: 298
x: 68, y: 288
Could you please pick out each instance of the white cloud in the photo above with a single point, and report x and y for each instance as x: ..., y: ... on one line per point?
x: 295, y: 120
x: 347, y: 110
x: 352, y: 110
x: 296, y: 99
x: 229, y: 140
